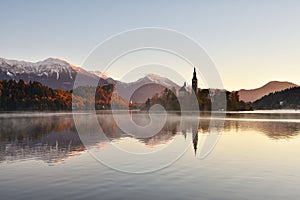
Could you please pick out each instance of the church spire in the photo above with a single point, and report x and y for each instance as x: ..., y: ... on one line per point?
x: 195, y: 81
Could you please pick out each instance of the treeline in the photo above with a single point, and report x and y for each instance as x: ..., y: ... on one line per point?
x: 235, y: 104
x: 32, y: 96
x: 286, y: 99
x: 22, y: 96
x: 89, y: 97
x: 167, y: 99
x: 100, y: 98
x: 170, y: 101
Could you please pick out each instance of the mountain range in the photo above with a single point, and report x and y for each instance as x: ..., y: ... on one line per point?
x: 52, y: 72
x: 60, y: 74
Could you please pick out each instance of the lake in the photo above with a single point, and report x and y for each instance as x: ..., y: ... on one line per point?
x: 255, y: 155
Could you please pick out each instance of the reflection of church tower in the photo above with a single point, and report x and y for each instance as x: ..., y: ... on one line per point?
x: 195, y: 127
x: 195, y: 138
x: 195, y: 82
x: 195, y: 142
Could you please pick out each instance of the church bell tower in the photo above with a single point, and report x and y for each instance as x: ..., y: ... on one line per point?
x: 195, y: 82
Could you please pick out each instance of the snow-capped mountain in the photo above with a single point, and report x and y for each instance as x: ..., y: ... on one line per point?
x: 53, y: 72
x: 144, y: 88
x: 154, y: 78
x: 46, y: 67
x: 103, y: 76
x: 99, y: 74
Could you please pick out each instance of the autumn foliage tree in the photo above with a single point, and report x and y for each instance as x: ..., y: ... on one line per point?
x: 32, y: 96
x: 22, y: 96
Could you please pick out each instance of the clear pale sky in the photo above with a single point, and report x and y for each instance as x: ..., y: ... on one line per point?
x: 251, y: 42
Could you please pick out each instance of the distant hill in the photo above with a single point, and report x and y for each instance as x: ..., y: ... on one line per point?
x: 286, y: 99
x: 255, y: 94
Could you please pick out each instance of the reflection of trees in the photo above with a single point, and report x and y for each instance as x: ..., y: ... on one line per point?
x: 54, y: 138
x: 31, y: 128
x: 109, y: 126
x: 240, y: 115
x: 51, y: 139
x: 274, y: 130
x: 166, y: 134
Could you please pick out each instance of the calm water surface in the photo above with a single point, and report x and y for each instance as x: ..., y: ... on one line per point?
x: 256, y: 157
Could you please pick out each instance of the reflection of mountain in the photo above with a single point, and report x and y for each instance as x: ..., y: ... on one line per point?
x: 53, y: 137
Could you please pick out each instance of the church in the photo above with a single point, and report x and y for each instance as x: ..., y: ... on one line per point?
x: 184, y: 89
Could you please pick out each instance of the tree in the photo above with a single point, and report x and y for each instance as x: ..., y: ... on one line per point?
x: 234, y: 101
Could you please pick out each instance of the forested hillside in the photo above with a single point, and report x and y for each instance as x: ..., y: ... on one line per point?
x: 286, y: 99
x: 17, y: 96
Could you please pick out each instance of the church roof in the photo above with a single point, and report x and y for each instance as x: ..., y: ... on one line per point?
x: 183, y: 89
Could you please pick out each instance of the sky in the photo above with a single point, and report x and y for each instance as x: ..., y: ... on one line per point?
x: 250, y: 42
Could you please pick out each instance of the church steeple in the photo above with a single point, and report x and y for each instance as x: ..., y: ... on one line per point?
x: 195, y: 81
